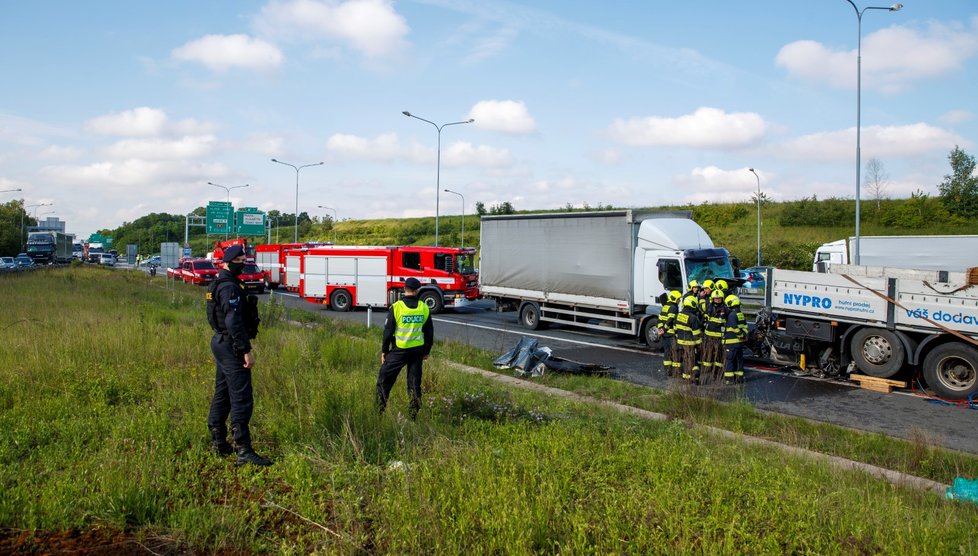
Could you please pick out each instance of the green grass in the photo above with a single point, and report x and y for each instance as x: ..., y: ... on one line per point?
x: 103, y: 403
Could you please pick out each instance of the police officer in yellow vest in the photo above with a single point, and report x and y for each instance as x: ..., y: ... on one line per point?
x: 408, y: 337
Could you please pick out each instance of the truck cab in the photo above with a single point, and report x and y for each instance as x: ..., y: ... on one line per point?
x: 836, y: 252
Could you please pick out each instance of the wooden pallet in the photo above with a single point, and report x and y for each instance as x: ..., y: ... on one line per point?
x: 877, y: 384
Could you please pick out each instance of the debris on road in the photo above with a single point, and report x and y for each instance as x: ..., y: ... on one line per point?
x: 531, y: 361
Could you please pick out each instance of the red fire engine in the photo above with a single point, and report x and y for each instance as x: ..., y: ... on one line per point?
x: 220, y: 246
x: 347, y: 277
x: 271, y: 258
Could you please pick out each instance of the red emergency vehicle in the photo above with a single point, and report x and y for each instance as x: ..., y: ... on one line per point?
x: 219, y: 246
x: 271, y: 259
x: 347, y: 277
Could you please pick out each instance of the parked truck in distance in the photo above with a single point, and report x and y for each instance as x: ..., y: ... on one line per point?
x: 951, y: 253
x: 880, y: 321
x: 606, y: 270
x: 49, y: 247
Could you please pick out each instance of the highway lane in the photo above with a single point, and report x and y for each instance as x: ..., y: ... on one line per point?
x: 898, y: 414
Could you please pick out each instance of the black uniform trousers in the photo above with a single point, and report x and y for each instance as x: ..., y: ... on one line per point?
x: 232, y: 392
x: 394, y: 361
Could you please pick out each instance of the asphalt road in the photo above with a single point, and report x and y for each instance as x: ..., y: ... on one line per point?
x: 899, y: 414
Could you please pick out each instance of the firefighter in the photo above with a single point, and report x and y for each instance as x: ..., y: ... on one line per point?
x: 408, y: 337
x: 706, y: 289
x: 693, y: 291
x: 666, y: 326
x: 734, y: 334
x: 722, y: 286
x: 234, y: 318
x: 712, y: 359
x: 688, y: 336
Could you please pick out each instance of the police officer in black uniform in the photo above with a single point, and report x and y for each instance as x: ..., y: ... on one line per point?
x: 234, y: 318
x: 408, y: 337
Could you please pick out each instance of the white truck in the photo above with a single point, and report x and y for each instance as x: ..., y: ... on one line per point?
x: 951, y: 253
x: 605, y: 270
x: 881, y: 321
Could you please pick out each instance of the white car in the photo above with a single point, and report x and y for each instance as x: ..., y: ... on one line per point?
x: 107, y: 259
x: 8, y: 263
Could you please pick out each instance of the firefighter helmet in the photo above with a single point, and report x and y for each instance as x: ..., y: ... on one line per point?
x: 693, y: 284
x: 732, y: 300
x: 674, y: 296
x: 717, y: 294
x: 720, y: 285
x: 690, y: 301
x: 708, y: 284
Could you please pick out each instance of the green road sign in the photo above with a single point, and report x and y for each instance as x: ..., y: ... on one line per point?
x: 218, y: 219
x: 249, y: 222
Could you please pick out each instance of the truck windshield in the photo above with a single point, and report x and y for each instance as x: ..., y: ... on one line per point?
x: 708, y: 269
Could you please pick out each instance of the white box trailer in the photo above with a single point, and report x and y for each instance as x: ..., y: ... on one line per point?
x: 882, y: 321
x: 605, y: 270
x: 950, y: 253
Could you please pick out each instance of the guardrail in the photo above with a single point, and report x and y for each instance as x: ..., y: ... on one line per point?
x: 751, y: 301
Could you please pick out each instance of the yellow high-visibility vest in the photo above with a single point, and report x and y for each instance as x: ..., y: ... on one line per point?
x: 408, y: 323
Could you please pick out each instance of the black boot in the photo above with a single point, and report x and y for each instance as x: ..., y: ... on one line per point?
x: 242, y: 439
x: 219, y: 442
x: 247, y: 455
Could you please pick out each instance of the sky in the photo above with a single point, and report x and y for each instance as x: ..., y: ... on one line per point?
x: 114, y: 109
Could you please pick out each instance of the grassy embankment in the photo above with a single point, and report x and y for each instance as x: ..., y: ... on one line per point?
x: 104, y: 396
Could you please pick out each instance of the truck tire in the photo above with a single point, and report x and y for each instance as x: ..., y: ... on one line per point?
x: 433, y: 300
x: 951, y: 371
x: 340, y: 301
x: 877, y: 352
x: 530, y: 316
x: 271, y: 285
x: 650, y: 334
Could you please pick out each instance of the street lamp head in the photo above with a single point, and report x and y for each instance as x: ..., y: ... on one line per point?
x: 275, y: 160
x: 896, y: 7
x: 470, y: 120
x: 750, y: 169
x: 406, y: 113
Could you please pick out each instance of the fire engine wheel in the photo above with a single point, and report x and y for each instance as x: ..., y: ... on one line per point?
x: 650, y: 334
x: 530, y: 316
x: 951, y: 371
x: 877, y: 352
x: 433, y: 300
x: 340, y: 301
x: 271, y: 285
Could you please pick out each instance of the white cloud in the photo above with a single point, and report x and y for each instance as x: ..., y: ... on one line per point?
x: 161, y: 149
x: 223, y: 52
x: 706, y: 127
x: 610, y: 157
x: 387, y: 147
x: 713, y: 184
x: 57, y: 152
x: 142, y: 121
x: 145, y: 122
x: 508, y: 116
x: 881, y: 141
x: 134, y: 176
x: 955, y: 117
x: 892, y: 58
x: 464, y: 154
x: 372, y: 27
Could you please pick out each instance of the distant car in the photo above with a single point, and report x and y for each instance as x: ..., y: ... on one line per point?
x: 755, y: 276
x: 154, y: 260
x: 23, y: 261
x: 106, y: 259
x: 199, y: 271
x: 7, y: 264
x: 252, y: 278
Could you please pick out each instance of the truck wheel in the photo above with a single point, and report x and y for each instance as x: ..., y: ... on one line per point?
x: 530, y: 316
x: 271, y: 285
x: 433, y: 300
x: 340, y: 301
x: 951, y: 371
x: 650, y: 334
x: 877, y: 352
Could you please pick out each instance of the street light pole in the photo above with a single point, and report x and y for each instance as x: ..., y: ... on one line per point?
x: 751, y: 170
x: 463, y: 214
x: 859, y: 84
x: 438, y: 167
x: 24, y: 213
x: 334, y: 221
x: 295, y: 239
x: 228, y: 190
